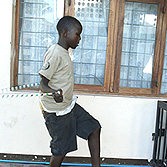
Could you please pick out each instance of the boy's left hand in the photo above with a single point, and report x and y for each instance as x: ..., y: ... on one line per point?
x: 58, y: 97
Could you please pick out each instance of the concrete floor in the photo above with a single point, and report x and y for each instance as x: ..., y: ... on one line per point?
x: 17, y: 160
x: 5, y: 164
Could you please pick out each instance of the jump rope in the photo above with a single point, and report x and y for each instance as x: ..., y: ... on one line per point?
x: 12, y: 91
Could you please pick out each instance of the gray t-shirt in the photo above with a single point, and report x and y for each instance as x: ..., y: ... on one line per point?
x: 58, y: 68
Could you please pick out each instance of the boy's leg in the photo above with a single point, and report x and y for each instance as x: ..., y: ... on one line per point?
x: 94, y: 147
x: 89, y: 128
x: 56, y: 161
x: 63, y: 134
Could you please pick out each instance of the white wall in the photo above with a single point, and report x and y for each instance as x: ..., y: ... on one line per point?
x: 127, y: 122
x: 5, y: 39
x: 127, y: 126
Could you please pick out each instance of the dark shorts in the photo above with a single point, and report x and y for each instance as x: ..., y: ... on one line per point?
x: 63, y: 129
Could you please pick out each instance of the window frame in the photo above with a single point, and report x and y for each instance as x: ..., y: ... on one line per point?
x: 113, y: 51
x: 14, y: 45
x: 125, y: 90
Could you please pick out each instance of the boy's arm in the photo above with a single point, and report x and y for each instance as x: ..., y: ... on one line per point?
x: 43, y: 86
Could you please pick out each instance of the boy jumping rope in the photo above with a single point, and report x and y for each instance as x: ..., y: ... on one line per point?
x: 64, y: 118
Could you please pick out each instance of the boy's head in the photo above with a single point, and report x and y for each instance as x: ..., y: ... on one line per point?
x: 67, y: 23
x: 69, y: 29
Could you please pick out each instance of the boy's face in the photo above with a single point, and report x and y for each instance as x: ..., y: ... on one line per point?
x: 73, y: 36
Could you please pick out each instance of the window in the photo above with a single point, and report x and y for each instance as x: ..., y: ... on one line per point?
x: 139, y: 46
x: 37, y: 32
x: 123, y: 48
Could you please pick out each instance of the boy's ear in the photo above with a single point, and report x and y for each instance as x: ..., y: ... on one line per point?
x: 65, y: 33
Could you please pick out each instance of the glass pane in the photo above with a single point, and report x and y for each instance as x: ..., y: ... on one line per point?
x: 89, y: 57
x: 37, y: 32
x: 138, y: 44
x: 164, y: 76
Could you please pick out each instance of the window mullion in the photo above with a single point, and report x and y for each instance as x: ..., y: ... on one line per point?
x: 111, y: 44
x: 69, y: 7
x: 162, y: 48
x: 158, y: 53
x: 119, y: 27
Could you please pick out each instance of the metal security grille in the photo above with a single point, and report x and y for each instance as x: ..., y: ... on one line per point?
x: 160, y: 136
x: 138, y: 46
x: 90, y: 56
x: 37, y: 32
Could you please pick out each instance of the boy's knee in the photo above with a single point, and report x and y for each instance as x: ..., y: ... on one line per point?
x: 95, y: 133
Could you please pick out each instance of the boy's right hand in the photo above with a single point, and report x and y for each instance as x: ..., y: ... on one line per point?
x: 58, y: 97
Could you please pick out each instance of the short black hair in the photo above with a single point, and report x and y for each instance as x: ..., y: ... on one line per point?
x: 66, y: 23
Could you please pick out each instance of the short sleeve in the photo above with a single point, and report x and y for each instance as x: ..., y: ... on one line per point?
x: 50, y: 65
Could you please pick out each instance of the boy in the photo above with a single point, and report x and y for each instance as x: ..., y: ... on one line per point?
x: 64, y: 118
